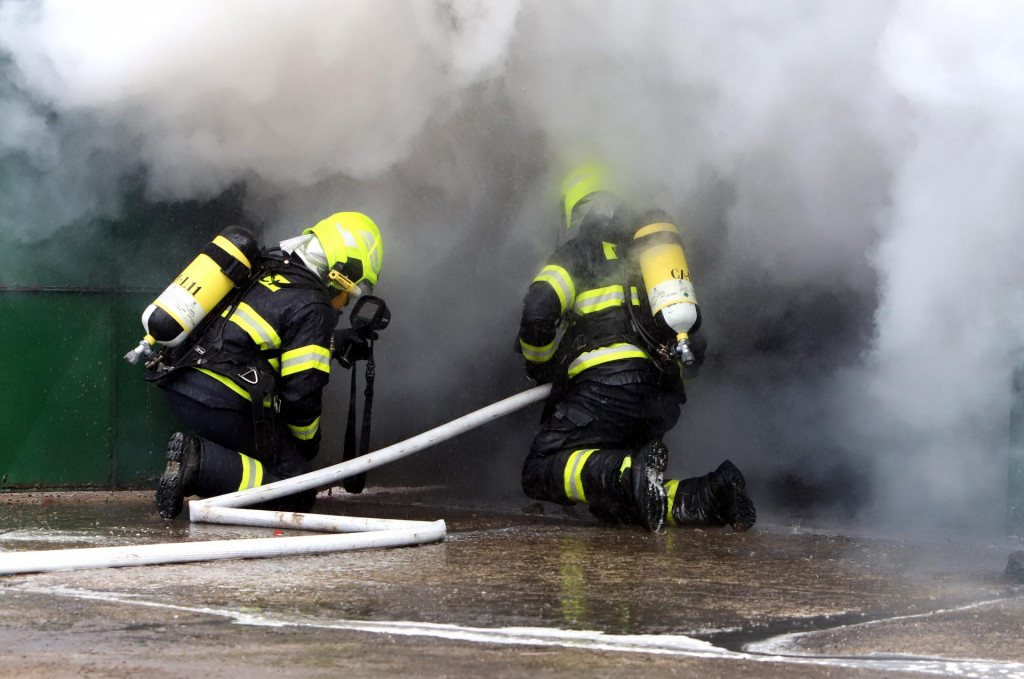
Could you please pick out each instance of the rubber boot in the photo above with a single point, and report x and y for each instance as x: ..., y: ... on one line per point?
x: 715, y: 499
x: 644, y: 485
x: 184, y: 454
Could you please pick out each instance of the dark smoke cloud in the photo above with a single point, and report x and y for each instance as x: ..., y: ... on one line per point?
x: 846, y: 175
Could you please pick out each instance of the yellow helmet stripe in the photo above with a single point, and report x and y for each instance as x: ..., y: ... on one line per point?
x: 372, y: 251
x: 613, y: 352
x: 573, y: 474
x: 305, y: 432
x: 583, y: 181
x: 560, y: 280
x: 309, y: 357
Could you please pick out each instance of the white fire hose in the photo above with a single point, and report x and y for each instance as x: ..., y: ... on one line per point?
x: 348, y: 533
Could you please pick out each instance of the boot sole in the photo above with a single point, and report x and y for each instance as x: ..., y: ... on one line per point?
x: 169, y: 497
x: 654, y: 503
x: 742, y: 514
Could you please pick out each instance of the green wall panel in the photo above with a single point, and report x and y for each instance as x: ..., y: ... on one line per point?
x: 57, y: 399
x: 74, y: 413
x: 142, y: 421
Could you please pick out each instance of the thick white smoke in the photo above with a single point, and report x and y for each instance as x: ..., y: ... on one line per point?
x: 846, y: 173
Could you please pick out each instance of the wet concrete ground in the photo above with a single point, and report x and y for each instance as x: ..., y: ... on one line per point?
x: 510, y: 593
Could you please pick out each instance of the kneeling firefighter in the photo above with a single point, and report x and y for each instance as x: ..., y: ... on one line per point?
x: 612, y: 322
x: 245, y: 369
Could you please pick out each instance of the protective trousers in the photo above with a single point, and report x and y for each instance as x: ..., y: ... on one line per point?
x: 588, y: 431
x: 230, y: 460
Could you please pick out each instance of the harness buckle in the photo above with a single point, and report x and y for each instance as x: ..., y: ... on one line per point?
x: 249, y: 376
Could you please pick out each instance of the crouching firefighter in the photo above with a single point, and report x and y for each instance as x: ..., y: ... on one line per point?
x: 247, y: 379
x: 611, y: 322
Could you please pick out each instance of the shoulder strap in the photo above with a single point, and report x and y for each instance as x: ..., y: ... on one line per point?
x: 642, y: 324
x: 355, y: 484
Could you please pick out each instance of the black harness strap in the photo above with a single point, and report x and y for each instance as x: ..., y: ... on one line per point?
x: 355, y: 484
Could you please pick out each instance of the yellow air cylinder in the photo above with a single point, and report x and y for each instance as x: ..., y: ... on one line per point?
x: 659, y: 250
x: 225, y: 262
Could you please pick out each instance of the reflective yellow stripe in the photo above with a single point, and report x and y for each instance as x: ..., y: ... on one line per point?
x: 627, y: 462
x: 599, y: 299
x: 537, y: 354
x: 309, y: 357
x: 261, y: 332
x: 372, y: 245
x: 670, y: 488
x: 609, y: 251
x: 304, y: 432
x: 560, y: 280
x: 573, y: 474
x: 252, y: 472
x: 635, y: 295
x: 614, y: 352
x: 226, y: 381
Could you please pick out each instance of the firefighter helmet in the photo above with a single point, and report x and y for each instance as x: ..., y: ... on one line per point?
x: 351, y: 243
x: 582, y: 183
x: 593, y: 208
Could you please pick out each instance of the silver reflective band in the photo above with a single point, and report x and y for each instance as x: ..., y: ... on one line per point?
x: 603, y: 355
x: 602, y: 298
x: 558, y: 279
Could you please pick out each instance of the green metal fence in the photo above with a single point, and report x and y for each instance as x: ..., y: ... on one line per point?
x: 74, y: 413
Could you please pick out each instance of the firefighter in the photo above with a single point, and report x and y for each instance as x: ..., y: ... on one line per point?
x: 249, y: 385
x: 614, y: 394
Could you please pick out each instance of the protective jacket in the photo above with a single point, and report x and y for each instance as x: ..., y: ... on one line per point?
x: 583, y: 291
x: 269, y: 349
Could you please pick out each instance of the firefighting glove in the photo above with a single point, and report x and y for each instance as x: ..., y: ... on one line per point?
x: 350, y: 345
x: 541, y: 373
